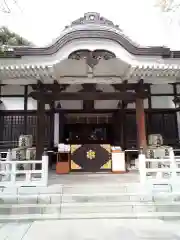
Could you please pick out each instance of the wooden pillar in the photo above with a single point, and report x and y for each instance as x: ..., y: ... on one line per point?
x: 61, y: 125
x: 40, y: 129
x: 25, y: 107
x: 1, y: 121
x: 115, y: 128
x: 141, y: 126
x: 123, y: 125
x: 52, y: 112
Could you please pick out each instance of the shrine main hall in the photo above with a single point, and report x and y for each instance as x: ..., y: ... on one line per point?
x: 92, y: 85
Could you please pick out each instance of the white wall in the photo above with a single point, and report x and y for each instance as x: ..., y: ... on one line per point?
x: 105, y: 104
x: 32, y: 104
x: 15, y: 103
x: 178, y: 88
x: 12, y: 90
x: 161, y: 88
x: 12, y: 103
x: 162, y: 101
x: 133, y: 105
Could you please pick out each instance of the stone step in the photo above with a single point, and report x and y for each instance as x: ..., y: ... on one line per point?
x: 58, y: 215
x: 119, y: 208
x: 48, y: 198
x: 89, y: 208
x: 22, y: 205
x: 128, y: 205
x: 88, y: 204
x: 83, y: 188
x: 87, y: 201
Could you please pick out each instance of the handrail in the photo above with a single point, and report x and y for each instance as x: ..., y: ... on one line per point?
x: 9, y: 172
x: 165, y: 173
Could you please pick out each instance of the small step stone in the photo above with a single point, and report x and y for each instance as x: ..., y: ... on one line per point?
x: 97, y: 209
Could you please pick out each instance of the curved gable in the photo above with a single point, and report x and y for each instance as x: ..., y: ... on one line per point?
x: 93, y: 26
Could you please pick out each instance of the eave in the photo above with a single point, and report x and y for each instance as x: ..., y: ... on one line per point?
x: 30, y: 74
x: 103, y: 34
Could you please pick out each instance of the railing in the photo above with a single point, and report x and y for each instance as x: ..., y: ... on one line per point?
x: 159, y: 171
x: 8, y: 144
x: 14, y: 144
x: 24, y: 173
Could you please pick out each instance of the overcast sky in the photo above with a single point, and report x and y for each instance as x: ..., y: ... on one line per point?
x: 41, y: 21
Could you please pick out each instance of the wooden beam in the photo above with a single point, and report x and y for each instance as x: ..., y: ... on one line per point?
x: 88, y: 105
x: 130, y: 86
x: 52, y: 110
x: 25, y: 107
x: 55, y: 87
x: 48, y: 97
x: 40, y: 129
x: 140, y: 87
x: 91, y: 87
x: 38, y: 86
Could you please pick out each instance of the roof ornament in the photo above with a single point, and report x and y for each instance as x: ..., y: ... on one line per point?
x: 93, y: 18
x: 92, y: 57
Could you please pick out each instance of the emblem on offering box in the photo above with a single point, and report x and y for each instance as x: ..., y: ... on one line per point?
x: 91, y: 154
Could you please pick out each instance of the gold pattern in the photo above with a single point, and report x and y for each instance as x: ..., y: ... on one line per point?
x: 74, y: 165
x: 107, y: 165
x: 107, y: 147
x: 91, y: 154
x: 74, y: 148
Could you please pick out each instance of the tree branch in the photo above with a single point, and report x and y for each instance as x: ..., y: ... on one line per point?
x: 5, y: 5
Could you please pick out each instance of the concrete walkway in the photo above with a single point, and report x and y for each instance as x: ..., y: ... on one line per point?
x: 91, y: 230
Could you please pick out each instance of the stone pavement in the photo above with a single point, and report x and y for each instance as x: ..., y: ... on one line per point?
x: 95, y: 229
x: 92, y: 178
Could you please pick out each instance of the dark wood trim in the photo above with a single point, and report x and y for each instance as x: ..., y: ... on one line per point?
x: 25, y: 97
x: 12, y: 96
x: 62, y: 121
x: 25, y: 107
x: 15, y: 118
x: 88, y: 104
x: 161, y: 94
x: 176, y: 118
x: 149, y: 119
x: 82, y: 170
x: 174, y: 89
x: 118, y: 86
x: 95, y: 111
x: 149, y: 98
x: 53, y: 87
x: 40, y: 129
x: 22, y: 112
x: 52, y: 107
x: 48, y: 97
x: 125, y: 85
x: 123, y: 138
x: 152, y: 94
